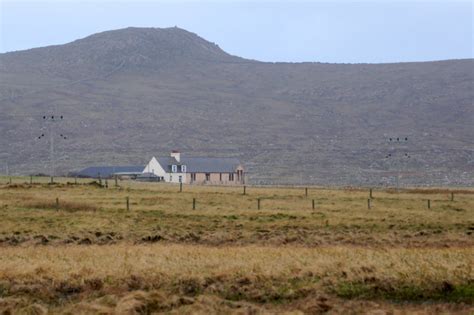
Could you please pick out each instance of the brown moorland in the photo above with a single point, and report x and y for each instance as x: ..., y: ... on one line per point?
x: 87, y: 254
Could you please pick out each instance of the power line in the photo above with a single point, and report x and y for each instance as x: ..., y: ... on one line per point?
x: 394, y: 155
x: 52, y: 120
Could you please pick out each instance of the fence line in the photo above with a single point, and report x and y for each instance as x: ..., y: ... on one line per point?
x: 259, y: 197
x: 457, y: 189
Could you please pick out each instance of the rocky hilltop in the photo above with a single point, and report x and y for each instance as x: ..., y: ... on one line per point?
x: 132, y: 93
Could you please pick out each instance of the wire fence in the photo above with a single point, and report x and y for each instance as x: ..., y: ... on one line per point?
x: 255, y: 197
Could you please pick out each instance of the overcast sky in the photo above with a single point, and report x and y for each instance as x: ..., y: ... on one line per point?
x: 333, y: 31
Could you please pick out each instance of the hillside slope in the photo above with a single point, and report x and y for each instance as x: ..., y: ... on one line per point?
x: 132, y: 93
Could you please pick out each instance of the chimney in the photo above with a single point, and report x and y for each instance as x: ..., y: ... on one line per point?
x: 176, y: 155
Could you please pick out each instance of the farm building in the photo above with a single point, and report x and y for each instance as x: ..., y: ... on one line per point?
x: 109, y: 171
x: 196, y: 170
x: 175, y: 169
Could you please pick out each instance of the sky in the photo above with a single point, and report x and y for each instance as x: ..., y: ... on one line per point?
x: 338, y: 31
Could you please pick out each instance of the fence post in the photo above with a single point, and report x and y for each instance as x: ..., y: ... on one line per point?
x: 306, y: 191
x: 258, y: 203
x: 128, y: 203
x: 57, y: 204
x: 100, y: 179
x: 244, y: 189
x: 31, y: 179
x: 452, y: 196
x: 313, y: 204
x: 370, y: 193
x: 180, y: 187
x: 368, y: 203
x: 52, y: 179
x: 429, y: 204
x: 116, y: 183
x: 194, y: 203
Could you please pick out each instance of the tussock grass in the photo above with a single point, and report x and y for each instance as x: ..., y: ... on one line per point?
x: 69, y: 206
x: 253, y: 274
x: 417, y: 267
x: 224, y: 215
x: 162, y: 256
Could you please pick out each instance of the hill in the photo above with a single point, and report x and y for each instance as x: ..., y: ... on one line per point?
x: 132, y: 93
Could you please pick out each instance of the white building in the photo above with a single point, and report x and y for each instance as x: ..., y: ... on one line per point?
x: 203, y: 170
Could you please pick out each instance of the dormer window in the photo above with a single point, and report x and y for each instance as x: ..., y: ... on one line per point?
x: 183, y: 168
x: 174, y: 168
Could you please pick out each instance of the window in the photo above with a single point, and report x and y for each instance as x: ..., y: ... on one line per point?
x: 174, y: 168
x: 193, y: 176
x: 231, y: 177
x: 183, y: 168
x: 208, y: 176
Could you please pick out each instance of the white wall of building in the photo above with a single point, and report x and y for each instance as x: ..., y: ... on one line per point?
x: 154, y: 167
x: 177, y: 177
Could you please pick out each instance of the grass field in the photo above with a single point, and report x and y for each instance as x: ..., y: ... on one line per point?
x: 75, y: 248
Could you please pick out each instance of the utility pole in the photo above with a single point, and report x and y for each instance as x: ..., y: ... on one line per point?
x: 52, y: 121
x: 395, y: 157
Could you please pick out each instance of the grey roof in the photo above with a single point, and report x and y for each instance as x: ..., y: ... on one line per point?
x: 107, y: 171
x: 201, y: 164
x: 167, y: 161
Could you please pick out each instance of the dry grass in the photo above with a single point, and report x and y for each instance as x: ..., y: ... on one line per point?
x: 253, y: 274
x: 225, y: 216
x: 226, y: 256
x: 67, y: 206
x: 417, y: 267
